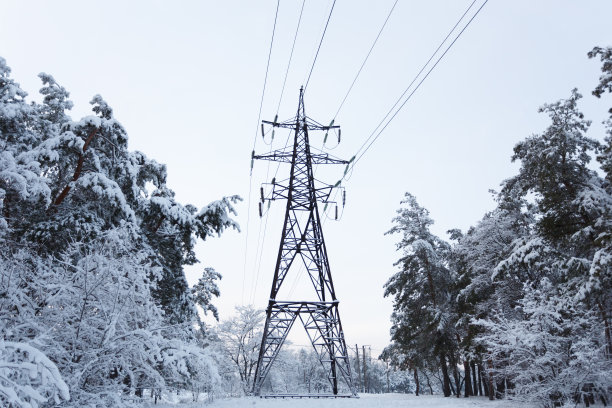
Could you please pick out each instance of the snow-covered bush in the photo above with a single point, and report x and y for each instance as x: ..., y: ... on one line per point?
x: 28, y: 379
x: 552, y: 352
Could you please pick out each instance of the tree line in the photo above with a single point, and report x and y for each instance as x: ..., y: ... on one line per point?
x: 520, y: 305
x: 94, y: 304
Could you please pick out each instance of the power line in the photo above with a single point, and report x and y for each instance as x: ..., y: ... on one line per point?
x: 263, y: 239
x: 405, y: 91
x: 290, y: 56
x: 282, y: 91
x: 320, y: 43
x: 263, y: 92
x: 372, y: 135
x: 366, y: 59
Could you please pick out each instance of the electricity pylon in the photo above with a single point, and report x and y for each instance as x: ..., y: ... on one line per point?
x: 302, y: 238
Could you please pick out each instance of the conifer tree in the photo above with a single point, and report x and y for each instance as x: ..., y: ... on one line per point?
x: 421, y: 319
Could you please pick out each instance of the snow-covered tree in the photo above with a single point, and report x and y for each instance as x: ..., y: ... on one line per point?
x: 552, y: 353
x: 554, y: 169
x: 241, y: 336
x: 525, y: 295
x: 91, y: 260
x: 421, y: 321
x: 557, y: 271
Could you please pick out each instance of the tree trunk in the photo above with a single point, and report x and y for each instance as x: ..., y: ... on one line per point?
x: 428, y: 383
x: 490, y: 380
x: 468, y: 380
x: 445, y: 379
x: 77, y: 171
x: 457, y: 377
x: 452, y: 388
x: 475, y: 381
x: 607, y: 330
x: 501, y: 388
x: 480, y: 387
x: 416, y: 382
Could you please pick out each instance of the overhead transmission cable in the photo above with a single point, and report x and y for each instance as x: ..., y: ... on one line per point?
x: 263, y: 92
x: 340, y: 108
x: 290, y: 56
x: 375, y: 135
x: 366, y: 59
x: 403, y: 94
x: 262, y: 238
x: 359, y: 156
x: 320, y: 43
x: 300, y: 272
x: 307, y: 81
x: 359, y: 71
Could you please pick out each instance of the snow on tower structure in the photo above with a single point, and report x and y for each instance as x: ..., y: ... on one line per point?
x: 302, y: 240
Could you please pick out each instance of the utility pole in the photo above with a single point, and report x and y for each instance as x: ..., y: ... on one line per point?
x: 359, y: 384
x: 387, y: 376
x: 302, y: 239
x: 365, y: 370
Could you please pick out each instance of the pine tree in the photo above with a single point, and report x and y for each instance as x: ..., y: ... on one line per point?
x: 421, y: 319
x: 554, y: 168
x: 564, y: 257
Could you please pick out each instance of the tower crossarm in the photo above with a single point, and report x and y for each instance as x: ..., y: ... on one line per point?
x: 312, y: 124
x: 284, y: 156
x: 281, y: 191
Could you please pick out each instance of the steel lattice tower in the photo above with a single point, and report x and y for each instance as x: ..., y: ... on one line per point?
x: 302, y: 238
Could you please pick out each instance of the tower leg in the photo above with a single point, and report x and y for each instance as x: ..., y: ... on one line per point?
x: 279, y: 321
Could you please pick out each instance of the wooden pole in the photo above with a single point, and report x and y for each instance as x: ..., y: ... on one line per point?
x: 358, y: 367
x: 365, y: 370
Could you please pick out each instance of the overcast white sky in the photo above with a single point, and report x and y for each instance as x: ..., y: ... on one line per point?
x: 185, y: 79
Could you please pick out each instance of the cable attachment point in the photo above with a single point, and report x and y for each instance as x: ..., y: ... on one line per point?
x: 348, y: 165
x: 327, y: 131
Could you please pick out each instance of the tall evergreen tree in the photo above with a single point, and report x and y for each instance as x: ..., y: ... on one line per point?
x: 421, y: 320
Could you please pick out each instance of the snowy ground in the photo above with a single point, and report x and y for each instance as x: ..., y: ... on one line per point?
x: 365, y: 401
